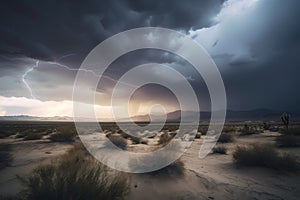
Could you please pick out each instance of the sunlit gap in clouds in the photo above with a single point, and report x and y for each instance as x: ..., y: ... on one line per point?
x: 228, y: 40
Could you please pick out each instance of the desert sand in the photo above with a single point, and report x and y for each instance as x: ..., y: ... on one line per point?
x: 214, y: 177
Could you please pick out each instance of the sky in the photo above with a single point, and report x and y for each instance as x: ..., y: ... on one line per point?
x: 254, y: 43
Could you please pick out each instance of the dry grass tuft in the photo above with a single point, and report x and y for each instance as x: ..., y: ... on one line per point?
x: 75, y: 175
x: 226, y: 138
x: 164, y: 139
x: 33, y: 136
x: 64, y: 134
x: 288, y: 141
x: 291, y: 131
x: 5, y: 155
x: 264, y: 155
x: 118, y: 140
x: 219, y: 150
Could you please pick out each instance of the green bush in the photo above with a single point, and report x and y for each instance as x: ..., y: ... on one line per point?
x: 264, y: 155
x: 75, y: 175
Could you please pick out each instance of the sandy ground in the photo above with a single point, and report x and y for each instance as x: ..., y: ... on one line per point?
x: 26, y: 156
x: 214, y: 177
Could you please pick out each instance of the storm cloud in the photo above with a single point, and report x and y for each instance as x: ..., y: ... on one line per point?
x: 255, y: 44
x: 51, y: 29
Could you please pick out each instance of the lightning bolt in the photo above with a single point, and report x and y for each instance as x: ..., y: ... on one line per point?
x: 24, y: 78
x: 55, y: 63
x: 65, y: 56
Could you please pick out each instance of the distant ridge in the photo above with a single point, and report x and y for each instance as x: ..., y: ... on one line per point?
x: 34, y: 118
x: 189, y: 116
x: 231, y: 115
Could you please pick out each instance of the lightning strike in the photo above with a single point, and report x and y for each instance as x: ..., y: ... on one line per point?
x: 24, y: 78
x: 55, y: 63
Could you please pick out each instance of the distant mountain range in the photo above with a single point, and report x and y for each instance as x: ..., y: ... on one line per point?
x: 231, y: 115
x: 34, y: 118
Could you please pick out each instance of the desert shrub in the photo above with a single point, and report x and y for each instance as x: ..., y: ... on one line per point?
x: 33, y: 136
x: 20, y: 135
x: 288, y: 141
x: 173, y: 134
x: 135, y: 139
x: 170, y: 127
x: 108, y: 133
x: 247, y: 130
x: 226, y: 138
x: 5, y: 133
x: 228, y: 129
x: 125, y: 135
x: 75, y: 176
x: 144, y: 141
x: 118, y: 141
x: 63, y: 134
x: 198, y: 135
x: 250, y: 130
x: 164, y: 138
x: 203, y: 129
x: 220, y: 150
x: 5, y: 155
x: 264, y: 155
x: 266, y: 126
x: 291, y: 131
x: 274, y: 128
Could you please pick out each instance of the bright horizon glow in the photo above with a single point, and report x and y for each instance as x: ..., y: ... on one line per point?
x: 11, y: 106
x: 14, y: 106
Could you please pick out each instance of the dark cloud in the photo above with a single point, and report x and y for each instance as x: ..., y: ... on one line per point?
x: 65, y: 32
x: 257, y: 53
x: 50, y: 29
x: 272, y: 79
